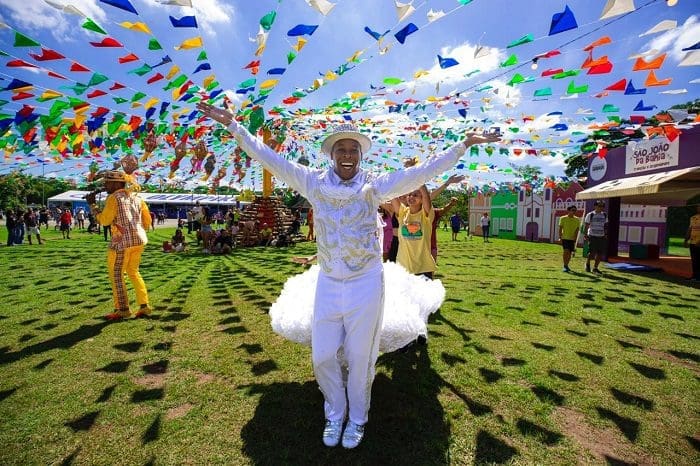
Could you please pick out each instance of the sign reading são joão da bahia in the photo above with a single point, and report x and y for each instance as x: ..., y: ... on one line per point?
x: 651, y: 155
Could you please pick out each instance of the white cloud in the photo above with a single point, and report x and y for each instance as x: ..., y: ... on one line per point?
x: 679, y: 38
x: 464, y: 54
x: 35, y: 15
x: 208, y: 13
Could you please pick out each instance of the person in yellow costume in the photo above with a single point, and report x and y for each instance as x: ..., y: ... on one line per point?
x: 129, y: 218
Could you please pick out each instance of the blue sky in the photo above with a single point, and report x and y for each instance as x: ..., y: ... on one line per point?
x: 228, y: 30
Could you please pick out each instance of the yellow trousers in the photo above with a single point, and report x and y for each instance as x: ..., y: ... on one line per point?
x: 119, y: 262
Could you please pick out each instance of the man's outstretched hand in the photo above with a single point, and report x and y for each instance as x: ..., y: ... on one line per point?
x: 215, y: 113
x: 471, y: 139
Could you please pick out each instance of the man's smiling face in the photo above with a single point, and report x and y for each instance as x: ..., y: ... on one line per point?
x: 346, y: 155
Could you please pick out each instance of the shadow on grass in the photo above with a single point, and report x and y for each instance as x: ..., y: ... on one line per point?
x: 406, y: 423
x: 58, y: 342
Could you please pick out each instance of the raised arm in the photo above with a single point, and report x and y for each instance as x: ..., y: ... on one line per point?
x: 402, y: 181
x: 425, y: 197
x: 295, y: 175
x: 451, y: 180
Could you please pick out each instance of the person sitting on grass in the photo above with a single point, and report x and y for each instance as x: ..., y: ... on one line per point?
x: 223, y: 244
x: 178, y: 241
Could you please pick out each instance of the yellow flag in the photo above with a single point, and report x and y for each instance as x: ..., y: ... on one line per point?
x: 330, y: 76
x: 136, y: 104
x: 300, y: 44
x: 192, y: 43
x: 356, y: 55
x: 357, y: 95
x: 208, y: 80
x: 138, y: 27
x: 151, y: 102
x: 259, y: 51
x: 173, y: 71
x: 50, y: 94
x: 270, y: 83
x: 419, y: 74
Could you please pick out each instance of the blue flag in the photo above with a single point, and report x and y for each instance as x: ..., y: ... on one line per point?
x: 562, y: 21
x: 447, y: 62
x: 301, y: 30
x: 184, y: 22
x: 410, y: 28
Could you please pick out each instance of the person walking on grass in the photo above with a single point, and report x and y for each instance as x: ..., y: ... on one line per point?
x: 33, y: 227
x: 350, y: 289
x: 596, y: 233
x: 569, y: 225
x: 692, y: 241
x: 485, y: 227
x: 66, y: 220
x: 129, y: 218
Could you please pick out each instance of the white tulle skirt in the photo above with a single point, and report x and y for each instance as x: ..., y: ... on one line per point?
x: 408, y: 301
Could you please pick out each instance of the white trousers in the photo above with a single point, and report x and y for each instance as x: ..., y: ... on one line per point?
x: 347, y: 313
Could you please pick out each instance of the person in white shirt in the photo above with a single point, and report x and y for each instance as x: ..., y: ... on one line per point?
x: 596, y: 233
x: 485, y: 227
x: 350, y: 290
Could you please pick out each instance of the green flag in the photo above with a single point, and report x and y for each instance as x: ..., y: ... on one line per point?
x: 267, y: 20
x: 23, y: 41
x: 512, y: 60
x: 154, y: 45
x: 97, y: 78
x: 90, y: 25
x: 202, y: 56
x: 521, y: 41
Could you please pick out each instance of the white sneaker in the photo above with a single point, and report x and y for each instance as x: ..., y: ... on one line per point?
x: 331, y: 433
x: 353, y: 435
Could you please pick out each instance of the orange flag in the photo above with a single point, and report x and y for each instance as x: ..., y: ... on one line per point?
x: 653, y: 81
x: 654, y: 64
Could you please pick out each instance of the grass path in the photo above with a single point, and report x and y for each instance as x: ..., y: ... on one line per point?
x: 525, y: 364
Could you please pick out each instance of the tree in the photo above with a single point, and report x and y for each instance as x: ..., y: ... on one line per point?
x: 577, y: 167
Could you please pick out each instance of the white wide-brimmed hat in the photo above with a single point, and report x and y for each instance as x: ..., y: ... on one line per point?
x: 345, y: 131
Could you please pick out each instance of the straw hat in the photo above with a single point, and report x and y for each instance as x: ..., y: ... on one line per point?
x: 114, y: 175
x: 345, y: 131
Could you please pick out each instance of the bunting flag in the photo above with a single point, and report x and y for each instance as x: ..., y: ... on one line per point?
x: 410, y: 28
x: 563, y: 21
x: 447, y: 62
x: 188, y: 44
x: 377, y: 36
x: 407, y: 110
x: 122, y: 5
x: 617, y: 7
x: 184, y: 22
x: 301, y: 30
x: 322, y: 6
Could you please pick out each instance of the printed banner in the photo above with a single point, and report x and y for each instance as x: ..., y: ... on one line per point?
x: 651, y: 155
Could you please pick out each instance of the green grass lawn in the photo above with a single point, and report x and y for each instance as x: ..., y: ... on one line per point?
x: 524, y: 365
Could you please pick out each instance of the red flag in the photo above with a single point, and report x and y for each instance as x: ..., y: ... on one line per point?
x: 22, y: 95
x: 107, y: 42
x: 20, y: 64
x: 621, y: 85
x: 128, y: 58
x: 78, y: 67
x: 46, y: 54
x: 56, y: 75
x: 29, y: 135
x: 99, y: 112
x: 551, y: 72
x: 156, y: 77
x: 26, y: 111
x: 134, y: 122
x: 96, y: 93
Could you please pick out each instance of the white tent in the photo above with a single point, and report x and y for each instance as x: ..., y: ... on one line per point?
x: 181, y: 199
